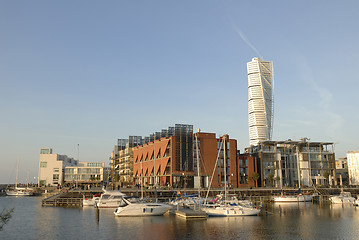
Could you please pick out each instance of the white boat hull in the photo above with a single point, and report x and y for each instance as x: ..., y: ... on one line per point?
x: 90, y: 202
x: 142, y: 210
x: 19, y: 192
x: 301, y: 198
x: 342, y: 200
x: 229, y: 211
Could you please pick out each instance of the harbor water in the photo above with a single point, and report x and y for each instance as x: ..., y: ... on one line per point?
x: 282, y: 221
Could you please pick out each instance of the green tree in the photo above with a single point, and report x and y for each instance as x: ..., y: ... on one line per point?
x: 254, y: 177
x: 277, y: 179
x: 271, y: 178
x: 5, y: 215
x: 326, y: 176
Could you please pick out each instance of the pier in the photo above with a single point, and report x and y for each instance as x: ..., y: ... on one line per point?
x: 73, y: 197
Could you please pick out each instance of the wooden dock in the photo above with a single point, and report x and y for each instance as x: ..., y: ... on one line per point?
x: 67, y: 199
x: 188, y: 213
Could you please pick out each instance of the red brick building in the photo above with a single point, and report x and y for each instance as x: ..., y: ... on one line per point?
x: 163, y: 162
x: 209, y: 148
x: 247, y: 166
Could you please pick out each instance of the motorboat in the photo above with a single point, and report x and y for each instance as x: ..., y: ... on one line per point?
x: 141, y: 209
x: 293, y: 198
x: 91, y: 201
x: 114, y: 199
x: 19, y: 191
x: 344, y: 197
x: 356, y: 202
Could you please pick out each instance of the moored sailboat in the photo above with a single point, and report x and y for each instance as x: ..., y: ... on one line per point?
x: 224, y: 208
x: 19, y: 191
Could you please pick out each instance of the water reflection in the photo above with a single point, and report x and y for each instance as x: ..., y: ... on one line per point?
x: 283, y: 220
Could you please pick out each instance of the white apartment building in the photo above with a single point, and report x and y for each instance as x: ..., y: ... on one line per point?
x: 51, y: 167
x: 85, y: 172
x: 260, y: 100
x: 353, y: 167
x: 295, y: 163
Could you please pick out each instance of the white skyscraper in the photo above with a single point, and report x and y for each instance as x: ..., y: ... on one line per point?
x: 353, y: 167
x: 260, y: 100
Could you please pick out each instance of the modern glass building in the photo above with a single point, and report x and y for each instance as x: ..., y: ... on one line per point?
x: 260, y: 100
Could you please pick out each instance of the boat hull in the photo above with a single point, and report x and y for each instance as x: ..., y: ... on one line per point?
x: 302, y: 198
x: 341, y: 200
x: 230, y: 211
x: 19, y: 193
x: 142, y: 210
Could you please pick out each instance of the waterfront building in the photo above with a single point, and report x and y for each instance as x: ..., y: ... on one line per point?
x: 85, y: 172
x: 166, y: 158
x: 121, y: 160
x: 341, y: 166
x: 51, y: 167
x: 248, y: 171
x: 295, y: 163
x: 353, y: 167
x: 260, y: 100
x: 207, y: 147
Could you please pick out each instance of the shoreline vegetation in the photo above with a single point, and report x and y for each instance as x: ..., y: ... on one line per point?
x: 5, y: 216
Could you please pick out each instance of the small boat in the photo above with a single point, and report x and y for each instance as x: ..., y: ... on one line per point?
x: 114, y: 199
x: 19, y: 191
x: 356, y: 202
x: 91, y: 201
x: 344, y: 197
x: 230, y: 210
x: 293, y: 198
x: 224, y: 208
x: 141, y: 209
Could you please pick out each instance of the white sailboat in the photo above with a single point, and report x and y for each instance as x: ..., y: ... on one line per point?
x: 19, y: 191
x: 294, y: 198
x: 225, y: 209
x: 343, y: 197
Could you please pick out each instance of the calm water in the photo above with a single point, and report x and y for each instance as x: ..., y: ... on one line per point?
x: 287, y: 221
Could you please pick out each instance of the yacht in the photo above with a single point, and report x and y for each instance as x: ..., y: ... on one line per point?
x: 226, y: 208
x: 356, y: 202
x: 293, y: 198
x: 19, y: 191
x: 91, y: 201
x: 230, y: 210
x: 114, y: 199
x: 141, y: 209
x: 344, y: 197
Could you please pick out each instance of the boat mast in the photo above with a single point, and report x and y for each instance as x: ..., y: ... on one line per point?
x: 17, y: 171
x: 225, y: 171
x: 141, y: 181
x: 198, y: 168
x: 298, y: 166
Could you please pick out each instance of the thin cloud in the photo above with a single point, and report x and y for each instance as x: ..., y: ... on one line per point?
x: 245, y: 40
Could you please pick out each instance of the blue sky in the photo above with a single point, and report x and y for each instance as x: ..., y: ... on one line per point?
x: 90, y: 72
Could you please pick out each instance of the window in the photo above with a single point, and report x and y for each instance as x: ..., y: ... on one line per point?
x: 55, y: 177
x: 44, y: 151
x: 56, y: 170
x: 43, y: 164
